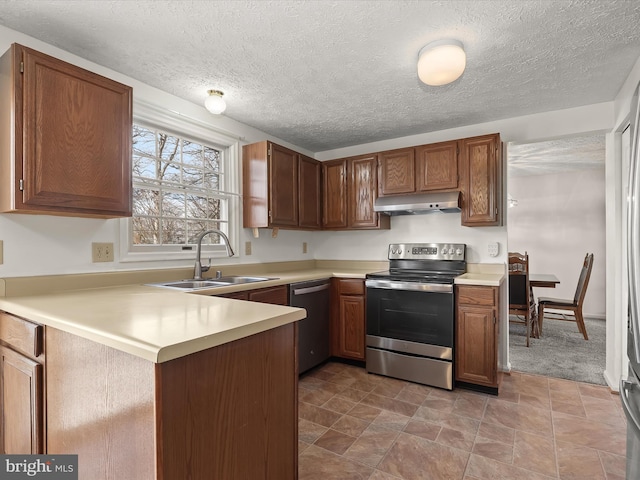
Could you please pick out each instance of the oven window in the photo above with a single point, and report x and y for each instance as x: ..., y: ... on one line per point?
x: 423, y: 317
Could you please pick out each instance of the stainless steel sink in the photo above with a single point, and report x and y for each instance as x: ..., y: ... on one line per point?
x: 189, y: 284
x: 212, y: 283
x: 237, y: 279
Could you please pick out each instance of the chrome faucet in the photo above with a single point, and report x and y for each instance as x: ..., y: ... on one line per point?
x: 198, y: 268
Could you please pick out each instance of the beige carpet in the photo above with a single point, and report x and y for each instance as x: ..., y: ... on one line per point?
x: 562, y: 351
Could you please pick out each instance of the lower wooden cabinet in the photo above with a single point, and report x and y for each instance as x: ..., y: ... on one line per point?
x: 21, y: 386
x: 275, y: 295
x: 228, y: 412
x: 476, y: 349
x: 348, y: 310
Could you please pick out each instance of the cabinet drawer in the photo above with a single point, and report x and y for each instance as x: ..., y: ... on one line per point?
x: 236, y: 295
x: 351, y: 287
x: 21, y: 335
x: 470, y: 295
x: 274, y: 295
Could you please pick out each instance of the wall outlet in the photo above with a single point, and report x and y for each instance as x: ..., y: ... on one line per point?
x: 102, y: 252
x: 494, y: 249
x: 247, y: 248
x: 1, y: 254
x: 304, y: 247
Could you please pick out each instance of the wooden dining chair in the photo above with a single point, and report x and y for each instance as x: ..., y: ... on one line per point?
x: 521, y: 302
x: 573, y: 308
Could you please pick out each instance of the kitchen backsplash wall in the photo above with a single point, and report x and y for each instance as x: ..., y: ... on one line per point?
x: 433, y: 227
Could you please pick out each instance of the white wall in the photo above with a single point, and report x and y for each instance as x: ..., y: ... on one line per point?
x: 559, y: 218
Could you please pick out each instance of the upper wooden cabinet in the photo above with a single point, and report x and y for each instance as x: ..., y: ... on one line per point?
x: 334, y: 180
x: 481, y: 180
x: 421, y: 169
x: 350, y: 190
x: 437, y: 166
x: 281, y: 188
x: 309, y: 193
x: 397, y: 172
x: 65, y: 135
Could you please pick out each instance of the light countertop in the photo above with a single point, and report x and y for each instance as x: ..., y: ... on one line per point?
x: 484, y: 279
x: 152, y: 323
x: 160, y: 324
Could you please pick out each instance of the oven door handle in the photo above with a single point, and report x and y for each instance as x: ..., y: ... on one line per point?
x: 414, y: 286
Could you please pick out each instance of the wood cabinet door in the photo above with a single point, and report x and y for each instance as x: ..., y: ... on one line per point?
x: 352, y: 327
x: 75, y: 127
x: 481, y: 183
x: 21, y: 401
x: 283, y: 186
x: 309, y: 193
x: 397, y: 171
x: 362, y: 188
x: 334, y: 211
x: 437, y: 166
x: 476, y: 357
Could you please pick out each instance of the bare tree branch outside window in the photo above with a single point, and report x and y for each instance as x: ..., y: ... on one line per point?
x: 176, y: 189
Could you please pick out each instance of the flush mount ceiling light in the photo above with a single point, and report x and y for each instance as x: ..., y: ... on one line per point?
x: 214, y: 102
x: 441, y: 62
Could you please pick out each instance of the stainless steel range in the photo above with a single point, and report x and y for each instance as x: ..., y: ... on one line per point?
x: 410, y: 313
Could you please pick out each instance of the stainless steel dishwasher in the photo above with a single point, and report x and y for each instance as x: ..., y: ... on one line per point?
x: 313, y: 331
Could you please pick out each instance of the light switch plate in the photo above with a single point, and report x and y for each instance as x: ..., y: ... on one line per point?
x: 247, y: 248
x: 494, y: 249
x: 304, y: 247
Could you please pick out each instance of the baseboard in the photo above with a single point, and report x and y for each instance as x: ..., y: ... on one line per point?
x: 613, y: 385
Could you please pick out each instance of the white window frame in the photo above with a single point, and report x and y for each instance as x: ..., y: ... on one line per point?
x: 151, y: 116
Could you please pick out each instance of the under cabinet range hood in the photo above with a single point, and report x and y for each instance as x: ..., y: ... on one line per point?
x: 418, y: 204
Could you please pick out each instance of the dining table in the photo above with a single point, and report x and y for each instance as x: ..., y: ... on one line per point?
x: 545, y: 280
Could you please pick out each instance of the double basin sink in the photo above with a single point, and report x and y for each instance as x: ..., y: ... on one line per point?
x: 210, y: 283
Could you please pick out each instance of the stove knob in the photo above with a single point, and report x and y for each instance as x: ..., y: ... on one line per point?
x: 451, y: 251
x: 459, y: 252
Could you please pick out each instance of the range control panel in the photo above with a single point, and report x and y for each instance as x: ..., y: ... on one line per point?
x: 427, y: 251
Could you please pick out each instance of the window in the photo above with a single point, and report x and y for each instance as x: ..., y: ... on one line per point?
x: 182, y: 186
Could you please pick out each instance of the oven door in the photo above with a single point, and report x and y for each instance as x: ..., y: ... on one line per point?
x: 412, y: 315
x: 410, y: 333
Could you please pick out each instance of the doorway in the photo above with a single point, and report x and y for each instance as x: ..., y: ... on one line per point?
x: 556, y: 213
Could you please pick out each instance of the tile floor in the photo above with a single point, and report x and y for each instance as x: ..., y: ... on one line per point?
x: 353, y: 425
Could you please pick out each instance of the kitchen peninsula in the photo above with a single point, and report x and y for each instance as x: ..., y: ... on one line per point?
x: 147, y: 383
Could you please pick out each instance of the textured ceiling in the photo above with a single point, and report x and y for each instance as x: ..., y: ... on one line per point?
x: 329, y: 74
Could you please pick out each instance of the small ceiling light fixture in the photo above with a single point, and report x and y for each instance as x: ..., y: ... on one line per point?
x: 214, y: 102
x: 441, y: 62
